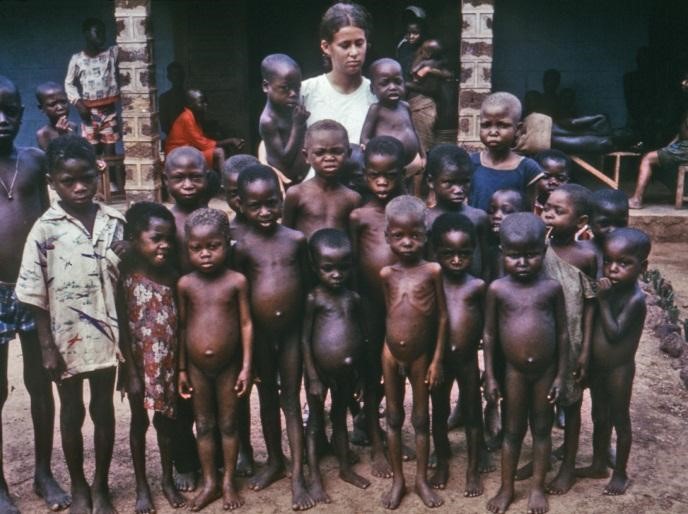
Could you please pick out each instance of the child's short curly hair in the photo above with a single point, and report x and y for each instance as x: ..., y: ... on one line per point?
x: 405, y: 205
x: 386, y: 145
x: 207, y: 216
x: 452, y: 222
x: 69, y: 146
x: 140, y: 214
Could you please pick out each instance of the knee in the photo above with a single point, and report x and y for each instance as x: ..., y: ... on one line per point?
x: 139, y: 421
x: 420, y: 421
x: 205, y: 426
x: 515, y: 435
x: 228, y: 427
x: 395, y: 418
x: 162, y: 424
x: 540, y: 429
x: 72, y: 414
x: 102, y: 411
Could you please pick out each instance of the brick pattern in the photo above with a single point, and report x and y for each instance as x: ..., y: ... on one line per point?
x: 476, y: 68
x: 139, y: 100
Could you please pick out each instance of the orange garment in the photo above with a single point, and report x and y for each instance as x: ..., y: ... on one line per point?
x: 186, y: 131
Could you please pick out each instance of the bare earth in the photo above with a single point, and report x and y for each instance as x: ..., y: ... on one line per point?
x: 657, y: 466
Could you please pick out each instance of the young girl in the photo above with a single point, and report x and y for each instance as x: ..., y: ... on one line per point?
x: 149, y: 341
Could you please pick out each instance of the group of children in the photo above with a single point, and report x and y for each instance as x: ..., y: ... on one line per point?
x: 353, y: 291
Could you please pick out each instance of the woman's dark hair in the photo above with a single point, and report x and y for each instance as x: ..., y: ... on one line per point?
x: 344, y: 15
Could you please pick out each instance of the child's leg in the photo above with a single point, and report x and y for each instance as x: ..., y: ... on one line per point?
x: 541, y: 417
x: 341, y: 398
x: 245, y: 459
x: 164, y: 428
x: 469, y: 383
x: 137, y: 443
x: 440, y: 426
x: 394, y: 386
x: 184, y: 448
x: 206, y: 425
x: 102, y: 410
x: 6, y: 504
x: 648, y: 161
x: 567, y: 471
x: 421, y: 425
x: 314, y: 428
x: 620, y: 386
x: 602, y: 429
x: 228, y: 409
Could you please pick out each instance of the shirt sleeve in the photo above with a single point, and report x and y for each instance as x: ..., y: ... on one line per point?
x: 532, y: 171
x: 32, y: 284
x: 70, y: 80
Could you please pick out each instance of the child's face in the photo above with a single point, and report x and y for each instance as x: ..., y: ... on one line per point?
x: 406, y: 237
x: 207, y: 248
x: 187, y: 180
x: 95, y: 36
x: 347, y: 50
x: 451, y: 185
x: 455, y: 252
x: 155, y: 243
x: 55, y: 105
x: 606, y: 218
x: 326, y: 152
x: 560, y: 215
x: 413, y: 33
x: 261, y: 204
x: 497, y: 127
x: 621, y: 266
x: 387, y: 83
x: 523, y: 259
x: 75, y: 181
x: 232, y: 190
x: 333, y: 266
x: 11, y: 111
x: 383, y: 177
x: 284, y: 89
x: 554, y: 175
x: 501, y: 205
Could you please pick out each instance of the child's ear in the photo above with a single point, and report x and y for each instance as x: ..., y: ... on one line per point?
x: 643, y: 266
x: 582, y: 221
x: 265, y: 86
x: 49, y: 180
x: 304, y: 151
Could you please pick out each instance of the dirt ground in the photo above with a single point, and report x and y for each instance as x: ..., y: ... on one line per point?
x: 657, y: 465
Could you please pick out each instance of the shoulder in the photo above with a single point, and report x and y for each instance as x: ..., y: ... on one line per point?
x: 476, y: 215
x: 291, y: 234
x: 32, y: 159
x: 352, y: 195
x: 433, y: 268
x: 386, y: 272
x: 295, y: 191
x: 184, y: 282
x: 476, y: 285
x: 268, y: 119
x: 111, y: 213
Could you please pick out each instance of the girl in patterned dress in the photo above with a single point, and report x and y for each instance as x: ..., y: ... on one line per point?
x: 148, y: 340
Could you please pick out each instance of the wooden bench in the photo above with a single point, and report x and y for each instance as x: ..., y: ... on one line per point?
x: 681, y: 195
x: 598, y: 172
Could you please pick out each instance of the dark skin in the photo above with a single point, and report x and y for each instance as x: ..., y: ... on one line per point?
x: 322, y: 201
x: 465, y: 297
x: 332, y: 341
x: 238, y: 225
x: 616, y: 335
x: 273, y: 259
x: 498, y: 126
x: 427, y: 70
x: 152, y: 248
x: 215, y: 362
x: 383, y: 176
x: 197, y: 103
x: 606, y: 217
x: 54, y: 104
x: 502, y: 204
x: 416, y: 329
x: 525, y: 317
x: 554, y: 174
x: 282, y: 124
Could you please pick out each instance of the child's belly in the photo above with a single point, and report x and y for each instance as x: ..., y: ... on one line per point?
x: 410, y: 332
x: 336, y: 346
x: 529, y: 343
x: 464, y: 334
x: 212, y: 354
x: 276, y: 305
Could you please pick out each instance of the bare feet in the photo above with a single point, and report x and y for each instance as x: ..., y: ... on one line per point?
x: 245, y: 464
x: 349, y: 476
x: 635, y: 203
x: 317, y: 492
x: 430, y: 498
x: 455, y: 420
x: 272, y: 472
x: 380, y: 466
x: 300, y: 499
x: 392, y: 498
x: 81, y: 501
x: 174, y: 498
x: 526, y: 471
x: 144, y: 501
x: 439, y: 478
x: 592, y: 471
x: 102, y: 503
x: 185, y: 481
x: 537, y: 502
x: 501, y: 501
x: 407, y: 453
x: 54, y: 496
x: 230, y: 499
x: 474, y: 486
x: 6, y: 504
x: 617, y: 484
x: 207, y: 495
x: 562, y: 482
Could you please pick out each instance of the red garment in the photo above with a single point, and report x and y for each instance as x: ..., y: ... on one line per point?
x: 186, y: 131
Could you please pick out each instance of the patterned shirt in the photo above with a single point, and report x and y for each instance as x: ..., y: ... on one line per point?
x: 93, y: 79
x: 73, y: 276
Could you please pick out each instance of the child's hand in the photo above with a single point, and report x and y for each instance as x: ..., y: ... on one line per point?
x: 84, y: 112
x: 120, y: 247
x: 316, y: 388
x: 604, y: 285
x: 134, y: 384
x: 423, y: 71
x: 236, y: 142
x: 299, y: 114
x: 491, y: 390
x: 580, y: 372
x: 185, y: 389
x: 52, y: 363
x: 434, y: 375
x: 243, y: 383
x: 63, y: 125
x: 554, y: 391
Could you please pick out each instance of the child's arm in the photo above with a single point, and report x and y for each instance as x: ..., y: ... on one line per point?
x: 315, y: 387
x: 184, y: 385
x: 354, y: 231
x: 281, y: 154
x: 290, y: 208
x: 580, y: 372
x: 368, y: 130
x: 133, y: 383
x: 244, y: 382
x: 73, y: 95
x: 489, y: 345
x: 616, y: 327
x: 434, y: 375
x: 52, y: 360
x: 562, y: 344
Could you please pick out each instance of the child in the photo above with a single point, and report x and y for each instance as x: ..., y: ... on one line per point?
x: 216, y: 333
x: 525, y: 319
x: 322, y: 201
x: 22, y: 200
x: 618, y: 327
x: 148, y: 340
x: 273, y: 259
x: 282, y: 124
x: 68, y: 278
x: 454, y: 239
x: 609, y: 212
x: 416, y: 330
x: 556, y: 170
x: 231, y: 169
x: 391, y: 115
x: 332, y: 349
x: 52, y: 100
x: 352, y: 171
x: 498, y: 166
x: 383, y: 173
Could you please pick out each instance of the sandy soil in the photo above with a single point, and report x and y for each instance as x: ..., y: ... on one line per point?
x: 657, y: 465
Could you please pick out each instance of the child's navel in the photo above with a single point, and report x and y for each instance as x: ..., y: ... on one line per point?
x: 209, y: 353
x: 348, y: 361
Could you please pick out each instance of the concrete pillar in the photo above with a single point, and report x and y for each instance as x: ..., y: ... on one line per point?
x: 476, y: 68
x: 139, y: 100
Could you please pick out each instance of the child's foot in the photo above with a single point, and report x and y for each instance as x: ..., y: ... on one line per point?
x: 185, y: 481
x: 207, y: 495
x: 380, y: 467
x: 349, y: 476
x: 46, y: 487
x: 439, y: 478
x: 359, y: 437
x: 592, y: 471
x: 317, y: 492
x: 494, y: 443
x: 455, y: 420
x: 617, y: 484
x: 392, y: 498
x: 272, y: 472
x: 102, y: 503
x: 635, y: 203
x: 144, y: 501
x: 174, y: 498
x: 526, y: 471
x: 6, y: 503
x: 230, y: 499
x: 501, y: 501
x: 485, y: 464
x: 562, y: 482
x: 537, y: 502
x: 611, y: 457
x: 245, y: 464
x: 407, y: 453
x: 474, y: 486
x: 300, y: 499
x: 81, y: 500
x: 430, y: 498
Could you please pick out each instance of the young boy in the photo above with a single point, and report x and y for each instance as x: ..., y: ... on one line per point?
x: 498, y: 166
x: 556, y: 170
x: 332, y: 342
x: 383, y: 174
x: 68, y: 278
x: 322, y: 201
x: 282, y: 124
x: 618, y: 327
x: 52, y: 100
x: 273, y: 259
x: 454, y: 239
x: 416, y: 331
x: 526, y: 321
x: 609, y: 212
x: 216, y: 343
x: 231, y: 169
x: 22, y: 200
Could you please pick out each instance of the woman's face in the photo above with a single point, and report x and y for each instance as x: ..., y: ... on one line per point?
x: 347, y: 50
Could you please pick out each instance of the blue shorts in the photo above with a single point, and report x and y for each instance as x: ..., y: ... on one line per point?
x: 14, y: 316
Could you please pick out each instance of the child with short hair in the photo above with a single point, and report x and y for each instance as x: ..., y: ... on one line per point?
x: 332, y: 341
x: 525, y: 320
x: 454, y: 238
x: 148, y: 339
x: 231, y: 169
x: 216, y: 335
x: 322, y: 201
x: 383, y: 174
x: 498, y: 166
x: 68, y: 278
x: 282, y: 124
x: 273, y: 258
x: 416, y: 331
x: 618, y: 327
x: 52, y: 100
x: 609, y: 212
x: 556, y: 170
